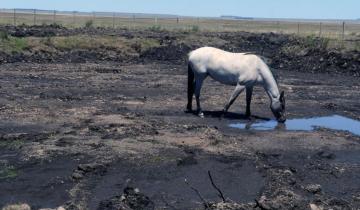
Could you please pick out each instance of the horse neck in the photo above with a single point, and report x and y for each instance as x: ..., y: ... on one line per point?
x: 270, y: 85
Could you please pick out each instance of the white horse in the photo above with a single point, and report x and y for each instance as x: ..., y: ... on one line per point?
x: 242, y: 70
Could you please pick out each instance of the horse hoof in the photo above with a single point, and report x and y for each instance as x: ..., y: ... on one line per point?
x: 201, y: 115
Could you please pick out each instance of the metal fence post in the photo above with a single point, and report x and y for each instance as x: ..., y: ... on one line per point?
x: 74, y: 21
x: 34, y: 16
x: 320, y: 31
x: 113, y: 20
x: 133, y: 20
x: 298, y: 28
x: 54, y: 17
x: 94, y: 18
x: 343, y: 31
x: 14, y: 17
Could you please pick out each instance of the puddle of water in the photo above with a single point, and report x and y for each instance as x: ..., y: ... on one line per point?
x: 335, y: 122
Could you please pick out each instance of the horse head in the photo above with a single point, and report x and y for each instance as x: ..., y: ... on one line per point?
x: 278, y: 108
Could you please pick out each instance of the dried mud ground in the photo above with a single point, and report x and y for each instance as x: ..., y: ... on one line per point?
x: 77, y: 135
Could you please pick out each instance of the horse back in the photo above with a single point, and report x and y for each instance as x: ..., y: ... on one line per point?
x: 225, y: 67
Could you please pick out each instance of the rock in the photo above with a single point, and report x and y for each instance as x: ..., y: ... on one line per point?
x: 59, y: 208
x: 77, y: 175
x: 132, y: 199
x: 315, y: 207
x: 17, y: 207
x: 230, y: 206
x: 313, y: 188
x: 189, y: 160
x: 92, y: 167
x: 282, y: 199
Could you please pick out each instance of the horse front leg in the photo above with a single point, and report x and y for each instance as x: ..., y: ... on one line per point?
x: 235, y: 94
x: 249, y: 92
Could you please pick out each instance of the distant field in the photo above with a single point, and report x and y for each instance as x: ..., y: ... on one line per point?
x: 347, y: 35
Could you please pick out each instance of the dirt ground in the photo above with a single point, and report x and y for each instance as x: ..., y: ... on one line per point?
x: 113, y: 135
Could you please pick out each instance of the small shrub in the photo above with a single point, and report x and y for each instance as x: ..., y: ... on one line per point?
x: 56, y: 25
x: 155, y: 28
x: 7, y: 172
x: 195, y: 28
x: 313, y: 41
x: 89, y: 24
x: 4, y: 35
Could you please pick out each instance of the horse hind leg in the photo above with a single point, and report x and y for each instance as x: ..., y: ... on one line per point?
x: 199, y: 79
x: 191, y: 86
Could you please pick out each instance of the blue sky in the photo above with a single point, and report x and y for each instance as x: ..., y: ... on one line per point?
x: 310, y: 9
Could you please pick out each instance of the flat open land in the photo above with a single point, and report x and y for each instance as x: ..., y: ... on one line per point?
x: 104, y: 127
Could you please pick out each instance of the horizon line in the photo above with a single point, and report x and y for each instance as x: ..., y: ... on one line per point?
x: 223, y: 16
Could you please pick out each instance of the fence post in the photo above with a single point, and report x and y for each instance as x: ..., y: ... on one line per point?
x: 14, y: 17
x: 320, y: 31
x: 113, y: 20
x: 177, y: 20
x: 34, y: 16
x: 94, y: 18
x: 133, y: 20
x: 54, y: 17
x: 343, y: 30
x: 298, y: 28
x: 74, y: 21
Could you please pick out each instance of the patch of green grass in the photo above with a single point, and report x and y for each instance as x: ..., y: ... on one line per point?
x: 71, y: 42
x: 313, y: 41
x: 147, y: 43
x: 4, y: 35
x: 12, y: 144
x: 11, y: 44
x: 89, y: 24
x: 8, y: 172
x: 155, y: 28
x: 195, y: 28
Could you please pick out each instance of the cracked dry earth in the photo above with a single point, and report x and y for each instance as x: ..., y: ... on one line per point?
x: 114, y: 136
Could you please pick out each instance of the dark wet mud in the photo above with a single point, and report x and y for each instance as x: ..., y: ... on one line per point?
x: 113, y: 135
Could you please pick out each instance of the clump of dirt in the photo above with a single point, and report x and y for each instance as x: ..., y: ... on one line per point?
x: 174, y: 53
x: 132, y: 198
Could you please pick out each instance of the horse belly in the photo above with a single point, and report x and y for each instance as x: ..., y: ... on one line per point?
x: 224, y: 77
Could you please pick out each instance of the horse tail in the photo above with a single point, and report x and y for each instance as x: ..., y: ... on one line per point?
x: 191, y: 86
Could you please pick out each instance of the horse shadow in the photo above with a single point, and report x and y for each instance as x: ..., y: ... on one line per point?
x: 233, y: 116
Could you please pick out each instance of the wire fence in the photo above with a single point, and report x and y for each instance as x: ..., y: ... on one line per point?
x: 349, y: 30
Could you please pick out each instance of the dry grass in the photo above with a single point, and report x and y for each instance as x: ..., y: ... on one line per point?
x: 84, y: 42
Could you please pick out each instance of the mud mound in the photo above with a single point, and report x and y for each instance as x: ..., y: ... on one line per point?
x: 71, y: 56
x: 170, y: 53
x: 303, y: 54
x: 131, y: 199
x: 35, y: 30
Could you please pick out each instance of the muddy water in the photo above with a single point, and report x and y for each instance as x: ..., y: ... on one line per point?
x: 334, y: 122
